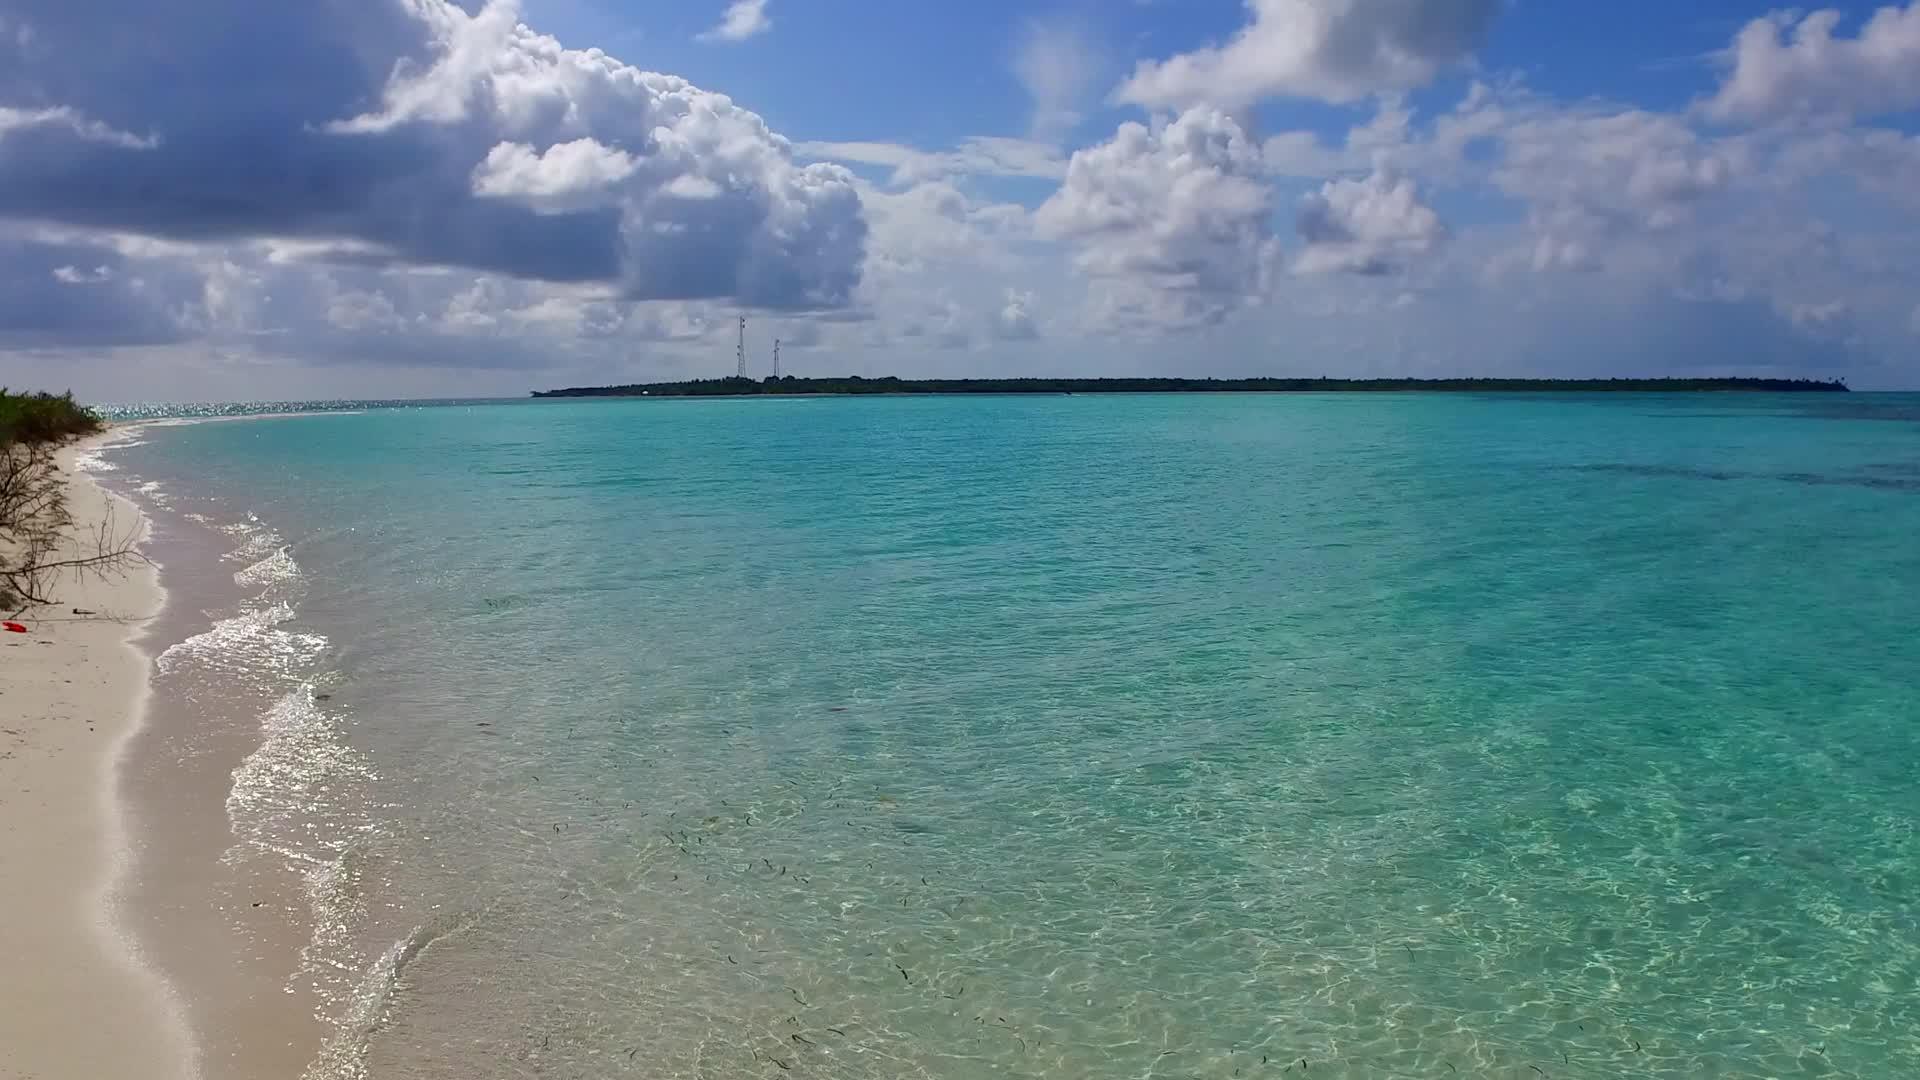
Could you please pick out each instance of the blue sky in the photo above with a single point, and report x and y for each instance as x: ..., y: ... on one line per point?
x: 931, y: 73
x: 227, y: 199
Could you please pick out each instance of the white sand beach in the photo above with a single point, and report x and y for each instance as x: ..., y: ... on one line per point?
x: 75, y: 1001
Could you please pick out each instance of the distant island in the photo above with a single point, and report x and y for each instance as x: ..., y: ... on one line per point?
x: 853, y: 384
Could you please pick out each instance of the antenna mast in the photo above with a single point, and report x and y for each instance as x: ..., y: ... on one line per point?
x: 776, y: 358
x: 742, y: 348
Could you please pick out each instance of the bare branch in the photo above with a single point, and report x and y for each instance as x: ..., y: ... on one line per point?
x: 39, y: 547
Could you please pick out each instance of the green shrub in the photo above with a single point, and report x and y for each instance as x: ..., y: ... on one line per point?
x: 34, y: 419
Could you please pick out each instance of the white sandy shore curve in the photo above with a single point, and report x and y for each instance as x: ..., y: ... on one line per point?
x: 76, y: 1001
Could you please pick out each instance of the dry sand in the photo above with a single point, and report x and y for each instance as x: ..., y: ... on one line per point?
x: 76, y: 1002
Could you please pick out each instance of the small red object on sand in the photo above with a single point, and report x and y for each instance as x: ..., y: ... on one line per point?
x: 14, y: 627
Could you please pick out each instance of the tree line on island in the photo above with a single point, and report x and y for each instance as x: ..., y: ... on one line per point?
x: 856, y: 385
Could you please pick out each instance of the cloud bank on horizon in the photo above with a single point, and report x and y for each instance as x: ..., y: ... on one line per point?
x: 418, y: 196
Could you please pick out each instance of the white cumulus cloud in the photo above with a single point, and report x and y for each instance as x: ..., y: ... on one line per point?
x: 1374, y: 225
x: 1589, y: 176
x: 1333, y: 50
x: 1179, y: 209
x: 567, y: 175
x: 1787, y: 64
x: 421, y: 133
x: 710, y: 200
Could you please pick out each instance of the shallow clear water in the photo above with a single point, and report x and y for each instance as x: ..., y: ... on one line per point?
x: 1094, y: 736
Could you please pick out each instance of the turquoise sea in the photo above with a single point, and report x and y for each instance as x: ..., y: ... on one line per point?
x: 1098, y: 736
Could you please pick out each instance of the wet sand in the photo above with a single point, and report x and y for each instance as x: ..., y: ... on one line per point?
x: 225, y: 922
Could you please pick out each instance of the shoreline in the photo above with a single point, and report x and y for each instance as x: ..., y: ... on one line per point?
x: 225, y: 921
x: 76, y: 696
